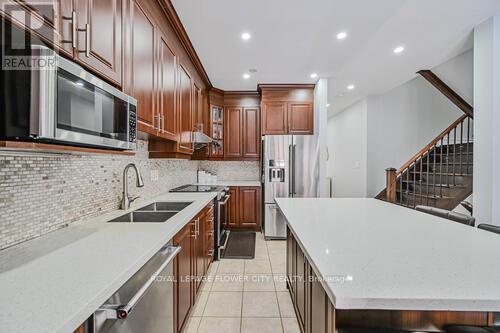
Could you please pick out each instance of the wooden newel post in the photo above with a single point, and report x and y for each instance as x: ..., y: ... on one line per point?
x: 391, y: 184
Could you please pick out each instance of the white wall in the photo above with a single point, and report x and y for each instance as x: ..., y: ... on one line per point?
x: 405, y: 119
x: 397, y: 125
x: 347, y: 150
x: 487, y: 121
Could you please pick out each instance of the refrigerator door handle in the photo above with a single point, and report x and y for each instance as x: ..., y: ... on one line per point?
x: 293, y: 170
x: 290, y: 170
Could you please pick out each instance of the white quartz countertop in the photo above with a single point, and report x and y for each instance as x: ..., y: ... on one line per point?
x: 376, y: 255
x: 236, y: 183
x: 54, y: 283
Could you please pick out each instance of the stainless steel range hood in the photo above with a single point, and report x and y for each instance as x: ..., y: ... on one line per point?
x: 200, y: 139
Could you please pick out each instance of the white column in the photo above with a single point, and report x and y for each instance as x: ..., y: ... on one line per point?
x: 320, y: 129
x: 487, y: 121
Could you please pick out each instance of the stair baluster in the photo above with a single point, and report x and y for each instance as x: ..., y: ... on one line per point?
x: 440, y: 175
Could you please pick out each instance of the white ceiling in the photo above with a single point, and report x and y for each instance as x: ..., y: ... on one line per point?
x: 293, y: 38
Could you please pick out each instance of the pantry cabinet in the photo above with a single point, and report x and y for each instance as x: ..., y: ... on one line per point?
x: 245, y: 208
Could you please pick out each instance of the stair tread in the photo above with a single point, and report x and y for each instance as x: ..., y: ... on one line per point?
x: 444, y: 174
x: 445, y: 163
x: 426, y: 195
x: 430, y: 184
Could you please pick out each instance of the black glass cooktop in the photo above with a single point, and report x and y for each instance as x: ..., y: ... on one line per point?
x: 198, y: 188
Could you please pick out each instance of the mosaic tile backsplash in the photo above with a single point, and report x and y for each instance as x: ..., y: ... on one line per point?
x: 232, y: 170
x: 40, y: 193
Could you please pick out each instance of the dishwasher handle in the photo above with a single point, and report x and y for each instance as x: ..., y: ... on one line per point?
x: 123, y: 311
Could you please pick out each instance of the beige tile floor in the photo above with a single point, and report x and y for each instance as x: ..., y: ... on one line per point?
x: 243, y: 296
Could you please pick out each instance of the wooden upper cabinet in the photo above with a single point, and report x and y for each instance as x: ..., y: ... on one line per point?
x: 53, y: 21
x: 185, y: 110
x: 142, y: 81
x: 251, y: 133
x: 274, y: 118
x: 99, y: 33
x: 167, y: 64
x: 249, y: 209
x: 233, y: 128
x: 300, y: 118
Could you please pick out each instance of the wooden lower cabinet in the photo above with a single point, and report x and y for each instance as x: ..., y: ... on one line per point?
x: 315, y: 313
x: 183, y: 269
x: 245, y: 208
x: 191, y: 264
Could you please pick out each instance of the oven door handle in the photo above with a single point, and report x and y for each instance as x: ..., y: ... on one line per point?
x: 123, y: 311
x: 225, y: 201
x: 227, y: 238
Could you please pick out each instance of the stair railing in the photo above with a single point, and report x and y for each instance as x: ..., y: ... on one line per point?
x: 424, y: 165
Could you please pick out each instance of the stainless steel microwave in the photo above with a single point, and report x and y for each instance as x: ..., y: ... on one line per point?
x: 63, y: 103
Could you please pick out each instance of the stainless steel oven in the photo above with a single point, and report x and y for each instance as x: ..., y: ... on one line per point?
x: 222, y: 224
x: 221, y: 232
x: 63, y: 103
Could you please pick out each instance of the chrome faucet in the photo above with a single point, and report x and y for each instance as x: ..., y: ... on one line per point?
x: 126, y: 200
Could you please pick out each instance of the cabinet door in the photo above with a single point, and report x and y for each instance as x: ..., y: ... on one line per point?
x: 233, y: 208
x: 185, y: 110
x: 300, y: 292
x: 183, y: 272
x: 100, y: 37
x: 290, y: 262
x: 274, y: 118
x: 317, y: 314
x: 142, y: 80
x: 200, y: 251
x: 251, y: 133
x: 209, y: 237
x: 50, y: 20
x: 249, y: 207
x: 233, y: 122
x: 300, y: 118
x: 167, y: 64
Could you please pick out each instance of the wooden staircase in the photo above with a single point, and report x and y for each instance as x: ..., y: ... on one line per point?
x: 439, y: 175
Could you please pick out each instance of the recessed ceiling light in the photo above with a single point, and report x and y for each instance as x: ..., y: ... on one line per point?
x: 327, y: 105
x: 350, y: 87
x: 314, y: 75
x: 341, y: 35
x: 245, y: 36
x: 246, y: 76
x: 399, y: 49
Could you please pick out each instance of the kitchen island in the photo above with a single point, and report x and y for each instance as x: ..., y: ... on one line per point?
x: 383, y: 265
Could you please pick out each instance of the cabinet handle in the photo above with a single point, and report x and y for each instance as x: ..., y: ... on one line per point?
x: 73, y: 30
x: 87, y: 40
x: 162, y: 120
x: 158, y: 116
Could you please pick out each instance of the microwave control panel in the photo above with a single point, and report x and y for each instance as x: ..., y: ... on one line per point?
x: 132, y: 126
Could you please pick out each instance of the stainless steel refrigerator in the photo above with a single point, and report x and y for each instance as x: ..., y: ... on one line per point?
x: 290, y: 169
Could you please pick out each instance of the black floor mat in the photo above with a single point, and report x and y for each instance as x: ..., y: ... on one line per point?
x: 240, y: 245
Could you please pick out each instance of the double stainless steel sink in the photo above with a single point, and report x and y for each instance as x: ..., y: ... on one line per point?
x: 155, y: 212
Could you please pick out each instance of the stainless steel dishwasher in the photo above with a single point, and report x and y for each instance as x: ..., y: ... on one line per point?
x: 145, y: 303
